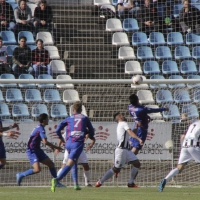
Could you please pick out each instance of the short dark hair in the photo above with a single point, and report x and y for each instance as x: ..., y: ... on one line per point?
x: 39, y: 40
x: 115, y: 115
x: 42, y: 117
x: 134, y: 99
x: 43, y: 1
x: 23, y: 37
x: 1, y: 38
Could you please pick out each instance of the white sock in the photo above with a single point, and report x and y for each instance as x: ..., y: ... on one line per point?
x: 172, y: 174
x: 87, y: 177
x: 107, y: 175
x: 134, y: 172
x: 58, y: 172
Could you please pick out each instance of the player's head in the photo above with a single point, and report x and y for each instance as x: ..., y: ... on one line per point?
x: 119, y: 117
x: 77, y: 107
x: 43, y: 119
x: 134, y: 99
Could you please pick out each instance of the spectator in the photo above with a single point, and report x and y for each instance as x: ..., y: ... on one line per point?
x: 22, y: 58
x: 4, y: 67
x: 40, y: 59
x: 6, y: 16
x: 23, y: 17
x: 148, y: 18
x: 189, y: 17
x: 126, y: 9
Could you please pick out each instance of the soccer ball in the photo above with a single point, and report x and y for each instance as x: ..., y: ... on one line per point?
x: 137, y: 79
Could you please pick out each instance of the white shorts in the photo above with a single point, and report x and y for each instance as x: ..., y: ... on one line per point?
x: 188, y: 154
x: 82, y: 158
x: 123, y: 156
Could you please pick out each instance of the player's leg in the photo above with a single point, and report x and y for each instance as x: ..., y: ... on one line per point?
x: 2, y: 156
x: 64, y: 162
x: 49, y: 163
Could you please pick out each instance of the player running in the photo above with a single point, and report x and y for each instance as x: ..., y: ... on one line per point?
x: 75, y: 135
x: 123, y: 154
x: 190, y: 151
x: 35, y: 154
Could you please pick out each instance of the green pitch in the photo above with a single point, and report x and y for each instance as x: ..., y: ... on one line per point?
x: 103, y: 193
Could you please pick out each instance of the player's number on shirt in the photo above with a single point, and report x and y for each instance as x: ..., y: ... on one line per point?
x: 77, y: 121
x: 193, y: 128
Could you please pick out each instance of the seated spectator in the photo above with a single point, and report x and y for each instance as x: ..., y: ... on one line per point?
x: 22, y: 58
x: 4, y: 67
x: 40, y: 59
x: 189, y: 17
x: 126, y: 9
x: 148, y: 18
x: 23, y: 17
x: 6, y: 16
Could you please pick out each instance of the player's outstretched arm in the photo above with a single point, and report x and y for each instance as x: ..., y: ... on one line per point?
x: 52, y: 146
x: 155, y: 110
x: 133, y: 135
x: 15, y: 125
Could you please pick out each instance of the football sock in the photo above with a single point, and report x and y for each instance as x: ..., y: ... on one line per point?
x: 58, y: 172
x: 172, y: 174
x: 63, y: 172
x: 107, y: 175
x: 87, y: 177
x: 134, y: 173
x: 74, y: 172
x: 1, y: 166
x: 53, y: 172
x: 27, y: 173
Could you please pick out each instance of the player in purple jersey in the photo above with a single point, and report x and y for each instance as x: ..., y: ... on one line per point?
x: 35, y: 154
x: 12, y: 134
x: 76, y: 131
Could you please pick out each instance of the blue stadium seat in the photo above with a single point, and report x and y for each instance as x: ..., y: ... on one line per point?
x: 188, y: 67
x: 196, y: 52
x: 156, y: 38
x: 192, y: 39
x: 176, y: 10
x: 173, y: 112
x: 196, y: 96
x: 175, y: 38
x: 114, y: 2
x: 170, y: 67
x: 28, y: 35
x: 190, y: 110
x: 161, y: 10
x: 33, y: 95
x: 151, y: 67
x: 181, y: 96
x: 1, y: 97
x: 13, y: 95
x: 20, y: 110
x: 153, y: 86
x: 145, y: 53
x: 4, y: 111
x: 58, y: 111
x: 51, y: 96
x: 182, y: 52
x: 32, y: 47
x: 7, y: 76
x: 130, y: 24
x: 193, y: 85
x: 26, y: 85
x: 177, y: 85
x: 139, y: 38
x: 47, y: 85
x: 163, y: 52
x: 8, y: 37
x: 38, y: 109
x: 10, y: 50
x: 164, y: 96
x: 13, y: 4
x: 196, y: 5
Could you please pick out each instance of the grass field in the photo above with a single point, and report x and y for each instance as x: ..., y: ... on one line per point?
x: 103, y: 193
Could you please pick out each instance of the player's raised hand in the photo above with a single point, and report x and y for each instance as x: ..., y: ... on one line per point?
x: 13, y: 134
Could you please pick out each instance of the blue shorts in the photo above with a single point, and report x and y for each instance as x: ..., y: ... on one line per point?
x: 2, y: 151
x: 74, y: 149
x: 36, y: 155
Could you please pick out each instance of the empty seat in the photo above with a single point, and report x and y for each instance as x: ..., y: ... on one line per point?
x: 101, y: 2
x: 120, y: 39
x: 151, y: 67
x: 196, y: 52
x: 145, y: 96
x: 156, y: 38
x: 32, y: 47
x: 170, y: 67
x: 1, y: 97
x: 196, y: 96
x: 173, y: 112
x: 181, y: 96
x: 33, y: 95
x: 20, y: 110
x: 192, y: 39
x: 139, y: 38
x: 144, y: 53
x: 28, y: 35
x: 164, y: 96
x: 133, y: 67
x: 38, y: 109
x: 153, y: 85
x: 58, y: 111
x: 26, y: 85
x: 113, y: 24
x: 114, y: 2
x: 7, y: 76
x: 70, y: 96
x: 130, y: 24
x: 46, y: 37
x: 51, y: 96
x: 14, y: 5
x: 157, y: 115
x: 193, y: 85
x: 174, y: 38
x: 176, y: 10
x: 190, y: 110
x: 141, y: 86
x: 45, y: 85
x: 163, y: 52
x: 8, y: 37
x: 182, y: 52
x: 83, y: 110
x: 53, y: 52
x: 14, y: 95
x: 58, y: 67
x: 176, y: 85
x: 10, y: 50
x: 188, y: 67
x: 67, y: 85
x: 4, y: 111
x: 126, y: 53
x: 32, y: 7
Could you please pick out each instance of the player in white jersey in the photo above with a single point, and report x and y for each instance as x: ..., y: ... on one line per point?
x: 123, y: 154
x: 190, y: 151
